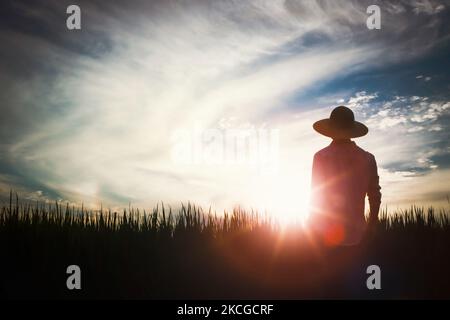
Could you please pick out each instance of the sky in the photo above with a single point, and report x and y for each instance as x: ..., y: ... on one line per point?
x: 212, y: 102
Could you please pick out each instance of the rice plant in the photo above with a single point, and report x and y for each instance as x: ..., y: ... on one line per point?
x: 191, y: 253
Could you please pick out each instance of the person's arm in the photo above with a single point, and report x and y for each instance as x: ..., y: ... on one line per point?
x: 315, y: 201
x: 373, y: 191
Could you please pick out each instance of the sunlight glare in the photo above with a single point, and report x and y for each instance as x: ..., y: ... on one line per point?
x: 285, y: 198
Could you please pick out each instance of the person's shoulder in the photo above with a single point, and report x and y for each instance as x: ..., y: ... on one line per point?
x: 369, y: 155
x: 322, y: 152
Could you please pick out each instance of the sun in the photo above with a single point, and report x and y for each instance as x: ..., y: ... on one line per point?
x: 285, y: 198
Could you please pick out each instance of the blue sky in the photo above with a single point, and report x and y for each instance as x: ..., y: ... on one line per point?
x: 90, y: 115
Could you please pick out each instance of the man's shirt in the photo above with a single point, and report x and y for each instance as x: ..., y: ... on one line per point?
x: 342, y: 175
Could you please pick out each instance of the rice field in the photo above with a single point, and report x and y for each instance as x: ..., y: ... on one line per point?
x: 189, y: 252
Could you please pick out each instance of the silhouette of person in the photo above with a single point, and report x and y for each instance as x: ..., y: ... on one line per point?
x: 342, y: 175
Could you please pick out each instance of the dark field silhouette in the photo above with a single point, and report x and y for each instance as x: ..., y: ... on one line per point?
x: 196, y: 254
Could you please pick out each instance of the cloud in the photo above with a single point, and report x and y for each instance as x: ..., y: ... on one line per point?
x: 408, y: 111
x: 419, y: 126
x: 426, y: 7
x: 361, y: 99
x: 394, y: 8
x: 421, y: 77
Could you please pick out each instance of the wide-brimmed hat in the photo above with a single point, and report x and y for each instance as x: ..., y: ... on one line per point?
x: 341, y: 125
